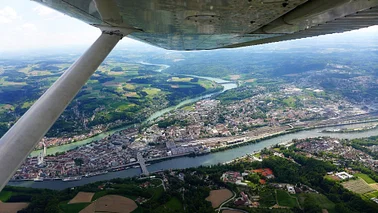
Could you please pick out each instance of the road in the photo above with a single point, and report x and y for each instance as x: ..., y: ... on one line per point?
x: 162, y: 183
x: 142, y: 163
x: 221, y: 206
x: 227, y: 208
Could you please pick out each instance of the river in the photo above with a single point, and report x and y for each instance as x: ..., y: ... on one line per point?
x: 204, y: 160
x: 162, y: 66
x: 227, y: 85
x: 184, y: 162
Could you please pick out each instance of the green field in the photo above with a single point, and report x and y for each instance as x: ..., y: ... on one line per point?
x: 173, y: 205
x: 157, y: 192
x: 27, y: 104
x: 5, y: 195
x: 330, y: 178
x: 371, y: 195
x: 125, y: 107
x: 178, y: 79
x: 316, y: 199
x: 72, y: 208
x: 284, y: 199
x: 365, y: 177
x: 206, y: 84
x: 129, y: 87
x: 99, y: 194
x: 290, y: 102
x: 257, y: 155
x: 358, y: 186
x: 151, y: 91
x: 114, y: 88
x: 188, y: 108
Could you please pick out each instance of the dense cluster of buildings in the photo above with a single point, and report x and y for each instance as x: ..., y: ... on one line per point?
x: 326, y: 148
x: 239, y: 178
x: 208, y: 124
x: 232, y: 177
x: 58, y: 141
x: 212, y: 118
x: 117, y: 151
x: 265, y: 172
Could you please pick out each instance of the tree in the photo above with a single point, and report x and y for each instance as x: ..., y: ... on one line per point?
x: 253, y: 177
x: 78, y: 161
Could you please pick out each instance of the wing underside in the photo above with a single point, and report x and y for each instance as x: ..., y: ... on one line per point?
x: 213, y: 24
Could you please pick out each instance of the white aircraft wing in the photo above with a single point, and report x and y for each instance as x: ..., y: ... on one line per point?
x: 213, y: 24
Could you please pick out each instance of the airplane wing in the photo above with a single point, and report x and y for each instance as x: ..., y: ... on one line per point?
x: 213, y: 24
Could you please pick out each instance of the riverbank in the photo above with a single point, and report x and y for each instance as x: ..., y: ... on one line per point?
x: 227, y: 85
x: 262, y: 136
x: 288, y: 131
x: 212, y: 158
x: 257, y: 140
x: 181, y: 104
x: 347, y: 123
x: 351, y: 130
x: 231, y: 142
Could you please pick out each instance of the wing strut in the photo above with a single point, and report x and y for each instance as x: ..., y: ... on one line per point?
x: 21, y: 139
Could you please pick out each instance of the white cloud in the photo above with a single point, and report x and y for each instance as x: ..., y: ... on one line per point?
x: 46, y: 12
x: 29, y: 27
x: 28, y: 36
x: 8, y: 15
x: 43, y: 11
x: 369, y: 29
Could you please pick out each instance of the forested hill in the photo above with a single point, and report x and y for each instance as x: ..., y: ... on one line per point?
x: 273, y: 63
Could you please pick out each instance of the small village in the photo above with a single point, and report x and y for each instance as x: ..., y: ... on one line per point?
x: 336, y: 151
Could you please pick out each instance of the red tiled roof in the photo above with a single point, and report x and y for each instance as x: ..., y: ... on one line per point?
x: 264, y: 172
x: 239, y: 202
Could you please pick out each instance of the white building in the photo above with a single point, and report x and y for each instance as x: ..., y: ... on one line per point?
x: 290, y: 189
x: 40, y: 159
x: 240, y: 183
x: 343, y: 175
x: 44, y: 150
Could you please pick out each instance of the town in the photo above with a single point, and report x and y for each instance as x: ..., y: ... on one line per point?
x: 206, y: 126
x: 301, y: 175
x: 285, y: 105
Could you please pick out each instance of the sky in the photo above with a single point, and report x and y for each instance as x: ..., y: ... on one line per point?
x: 26, y: 26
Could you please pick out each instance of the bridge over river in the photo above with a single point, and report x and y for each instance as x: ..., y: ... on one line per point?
x: 142, y: 163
